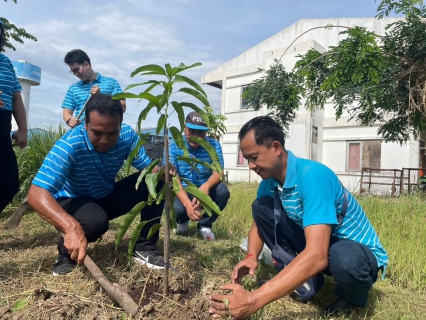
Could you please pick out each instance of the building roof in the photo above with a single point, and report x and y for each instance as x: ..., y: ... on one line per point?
x: 251, y: 60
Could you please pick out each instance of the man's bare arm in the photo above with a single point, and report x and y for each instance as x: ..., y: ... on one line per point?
x: 48, y: 209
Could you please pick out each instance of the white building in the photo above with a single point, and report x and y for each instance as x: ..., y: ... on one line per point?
x: 343, y: 146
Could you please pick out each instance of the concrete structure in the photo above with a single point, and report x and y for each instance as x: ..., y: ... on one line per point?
x: 28, y: 75
x: 151, y: 134
x: 342, y: 145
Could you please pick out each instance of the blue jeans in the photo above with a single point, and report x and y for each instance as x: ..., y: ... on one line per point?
x: 352, y: 265
x: 219, y: 194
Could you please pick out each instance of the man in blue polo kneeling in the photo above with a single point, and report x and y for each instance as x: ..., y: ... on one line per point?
x: 186, y: 207
x: 75, y: 188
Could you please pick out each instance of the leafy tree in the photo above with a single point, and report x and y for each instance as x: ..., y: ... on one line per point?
x: 376, y: 79
x: 165, y: 106
x: 12, y: 32
x: 217, y: 123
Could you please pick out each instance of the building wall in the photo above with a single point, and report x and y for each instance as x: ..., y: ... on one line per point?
x: 330, y: 144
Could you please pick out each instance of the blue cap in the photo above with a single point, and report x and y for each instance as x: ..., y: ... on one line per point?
x: 195, y: 121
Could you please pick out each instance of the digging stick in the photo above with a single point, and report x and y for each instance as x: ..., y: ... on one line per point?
x: 84, y: 107
x: 113, y: 289
x: 16, y: 217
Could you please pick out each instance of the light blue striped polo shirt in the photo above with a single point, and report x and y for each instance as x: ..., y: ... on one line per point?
x: 73, y: 168
x: 79, y: 92
x: 185, y: 170
x: 9, y: 83
x: 312, y: 194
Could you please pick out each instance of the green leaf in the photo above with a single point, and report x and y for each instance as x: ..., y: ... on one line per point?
x: 140, y: 84
x: 206, y: 145
x: 124, y: 95
x: 169, y: 70
x: 147, y: 169
x: 200, y: 111
x: 162, y: 195
x: 179, y: 140
x: 151, y: 182
x: 133, y: 238
x: 194, y: 84
x: 151, y: 68
x: 132, y: 155
x: 181, y: 115
x: 144, y: 114
x: 153, y: 230
x: 21, y: 304
x: 196, y: 95
x: 149, y: 97
x: 178, y: 78
x: 176, y: 186
x: 160, y: 124
x: 198, y: 161
x: 130, y: 216
x: 204, y: 199
x: 183, y: 67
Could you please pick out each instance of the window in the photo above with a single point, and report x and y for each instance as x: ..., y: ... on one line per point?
x: 241, y: 161
x: 244, y: 102
x: 314, y: 134
x: 363, y: 154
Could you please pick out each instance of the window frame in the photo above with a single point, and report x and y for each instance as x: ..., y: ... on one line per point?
x: 243, y: 88
x: 238, y: 158
x: 348, y: 143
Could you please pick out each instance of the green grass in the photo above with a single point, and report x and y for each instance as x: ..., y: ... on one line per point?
x: 29, y: 252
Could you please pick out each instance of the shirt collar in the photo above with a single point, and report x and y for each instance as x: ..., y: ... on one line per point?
x: 86, y: 138
x: 96, y: 80
x: 291, y: 172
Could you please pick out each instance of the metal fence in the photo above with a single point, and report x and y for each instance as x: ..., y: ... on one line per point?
x: 391, y: 182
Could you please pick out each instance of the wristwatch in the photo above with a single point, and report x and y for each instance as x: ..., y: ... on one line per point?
x: 68, y: 121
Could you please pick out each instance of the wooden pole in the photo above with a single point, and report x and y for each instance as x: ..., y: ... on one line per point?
x: 16, y: 217
x: 113, y: 289
x: 167, y: 211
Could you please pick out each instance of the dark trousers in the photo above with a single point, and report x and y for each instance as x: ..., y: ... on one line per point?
x: 352, y: 265
x: 9, y: 175
x: 219, y: 194
x: 94, y: 214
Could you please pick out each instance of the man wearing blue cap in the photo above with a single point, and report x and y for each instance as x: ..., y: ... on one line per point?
x: 208, y: 181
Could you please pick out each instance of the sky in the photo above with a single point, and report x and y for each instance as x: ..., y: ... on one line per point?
x: 121, y: 35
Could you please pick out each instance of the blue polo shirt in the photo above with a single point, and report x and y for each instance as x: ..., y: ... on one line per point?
x: 79, y: 92
x: 73, y: 168
x: 185, y: 170
x: 312, y: 194
x: 9, y: 83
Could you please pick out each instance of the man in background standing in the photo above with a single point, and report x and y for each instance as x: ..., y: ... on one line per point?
x: 90, y: 83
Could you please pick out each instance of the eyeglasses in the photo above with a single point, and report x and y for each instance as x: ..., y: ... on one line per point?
x: 75, y: 71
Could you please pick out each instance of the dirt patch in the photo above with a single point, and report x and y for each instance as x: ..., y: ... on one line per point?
x: 182, y: 302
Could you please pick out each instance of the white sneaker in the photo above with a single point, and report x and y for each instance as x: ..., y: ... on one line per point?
x: 182, y: 228
x: 207, y: 234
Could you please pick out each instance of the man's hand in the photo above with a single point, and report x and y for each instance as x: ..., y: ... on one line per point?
x: 193, y: 213
x: 247, y: 266
x: 20, y: 138
x: 73, y: 122
x: 76, y: 243
x: 95, y: 90
x: 239, y: 305
x: 1, y: 101
x: 195, y: 203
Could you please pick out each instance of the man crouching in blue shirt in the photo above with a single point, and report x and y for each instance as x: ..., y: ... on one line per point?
x: 312, y: 224
x: 75, y: 188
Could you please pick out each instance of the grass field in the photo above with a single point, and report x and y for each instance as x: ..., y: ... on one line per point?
x: 29, y: 252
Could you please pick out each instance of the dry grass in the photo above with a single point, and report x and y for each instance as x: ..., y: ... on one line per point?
x: 29, y: 252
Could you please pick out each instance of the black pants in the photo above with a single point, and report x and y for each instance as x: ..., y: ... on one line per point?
x: 219, y: 194
x: 9, y: 175
x: 352, y: 265
x: 94, y: 214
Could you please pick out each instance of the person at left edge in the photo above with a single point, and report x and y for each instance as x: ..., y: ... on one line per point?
x: 10, y: 104
x: 75, y: 188
x: 91, y: 82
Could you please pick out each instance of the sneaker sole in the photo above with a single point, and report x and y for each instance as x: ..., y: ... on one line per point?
x: 147, y: 264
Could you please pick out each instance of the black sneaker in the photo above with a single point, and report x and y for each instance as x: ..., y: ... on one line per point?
x: 63, y: 265
x: 339, y: 306
x: 151, y: 259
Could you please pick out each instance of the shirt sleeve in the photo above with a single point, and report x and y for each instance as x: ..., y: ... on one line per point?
x: 69, y: 101
x: 115, y: 87
x: 55, y: 168
x: 174, y: 153
x: 141, y: 160
x: 318, y: 194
